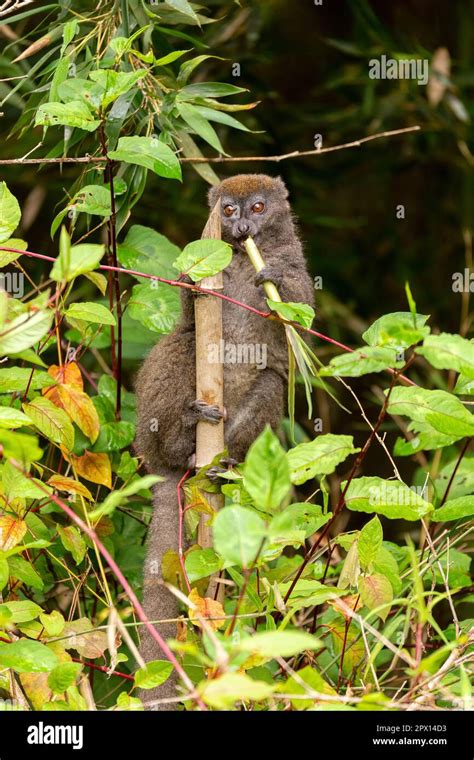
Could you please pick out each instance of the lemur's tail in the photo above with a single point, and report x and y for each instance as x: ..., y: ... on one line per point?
x: 159, y: 603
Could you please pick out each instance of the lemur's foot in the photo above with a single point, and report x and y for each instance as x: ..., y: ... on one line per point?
x: 207, y: 412
x: 215, y: 473
x: 269, y: 274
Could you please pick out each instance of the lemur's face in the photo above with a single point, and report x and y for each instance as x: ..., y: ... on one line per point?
x: 249, y: 203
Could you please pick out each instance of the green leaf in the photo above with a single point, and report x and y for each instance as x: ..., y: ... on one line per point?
x: 92, y: 199
x: 308, y: 593
x: 187, y: 68
x: 23, y: 571
x: 126, y: 702
x: 266, y: 472
x: 376, y: 592
x: 22, y: 447
x: 53, y: 623
x: 294, y: 312
x: 25, y: 656
x: 21, y: 612
x: 202, y: 563
x: 386, y: 564
x: 351, y: 568
x: 455, y: 509
x: 10, y: 214
x: 51, y: 421
x: 209, y: 90
x: 222, y: 692
x: 154, y: 674
x: 203, y: 258
x: 114, y: 436
x: 156, y: 305
x: 72, y: 541
x: 63, y: 676
x: 91, y: 312
x: 114, y: 499
x: 440, y: 409
x: 464, y: 386
x: 79, y: 260
x: 150, y: 153
x: 6, y: 257
x: 24, y: 331
x: 370, y: 542
x: 397, y: 330
x: 12, y: 418
x: 313, y: 680
x: 238, y: 535
x: 362, y: 362
x: 221, y: 118
x: 446, y: 351
x: 77, y: 89
x: 319, y: 457
x: 14, y: 379
x: 200, y: 125
x: 297, y: 520
x: 17, y: 485
x: 426, y: 439
x: 279, y: 643
x: 73, y: 114
x: 184, y: 7
x: 455, y: 566
x: 149, y: 252
x: 4, y: 573
x: 170, y: 58
x: 391, y: 498
x: 115, y: 83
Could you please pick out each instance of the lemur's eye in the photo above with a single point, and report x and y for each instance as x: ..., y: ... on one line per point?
x: 228, y: 210
x: 258, y: 207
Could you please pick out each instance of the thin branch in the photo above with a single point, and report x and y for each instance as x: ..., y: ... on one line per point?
x: 223, y: 159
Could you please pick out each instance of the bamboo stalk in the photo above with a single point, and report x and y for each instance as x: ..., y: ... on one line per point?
x: 209, y: 386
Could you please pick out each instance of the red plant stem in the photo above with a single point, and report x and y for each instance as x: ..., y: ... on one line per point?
x: 180, y: 531
x: 344, y: 644
x: 206, y: 291
x: 121, y: 579
x: 103, y: 669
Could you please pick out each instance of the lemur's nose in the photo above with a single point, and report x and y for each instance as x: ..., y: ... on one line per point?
x: 243, y: 227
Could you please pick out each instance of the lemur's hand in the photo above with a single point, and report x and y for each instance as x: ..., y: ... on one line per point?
x: 269, y: 274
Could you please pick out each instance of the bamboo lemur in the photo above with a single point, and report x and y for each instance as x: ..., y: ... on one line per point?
x: 256, y: 205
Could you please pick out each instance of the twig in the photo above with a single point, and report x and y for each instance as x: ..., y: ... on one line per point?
x: 223, y: 159
x: 13, y: 5
x: 180, y: 531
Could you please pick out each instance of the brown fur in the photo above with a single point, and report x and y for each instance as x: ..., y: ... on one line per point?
x: 253, y: 397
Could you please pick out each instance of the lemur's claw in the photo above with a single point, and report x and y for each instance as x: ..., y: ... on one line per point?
x: 207, y: 412
x: 215, y: 473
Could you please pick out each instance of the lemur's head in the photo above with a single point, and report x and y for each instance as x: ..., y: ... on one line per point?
x: 249, y: 203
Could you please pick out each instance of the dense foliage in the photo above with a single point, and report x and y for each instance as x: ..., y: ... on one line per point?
x: 325, y: 608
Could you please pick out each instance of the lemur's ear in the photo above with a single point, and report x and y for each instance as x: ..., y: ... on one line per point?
x: 213, y: 195
x: 280, y: 186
